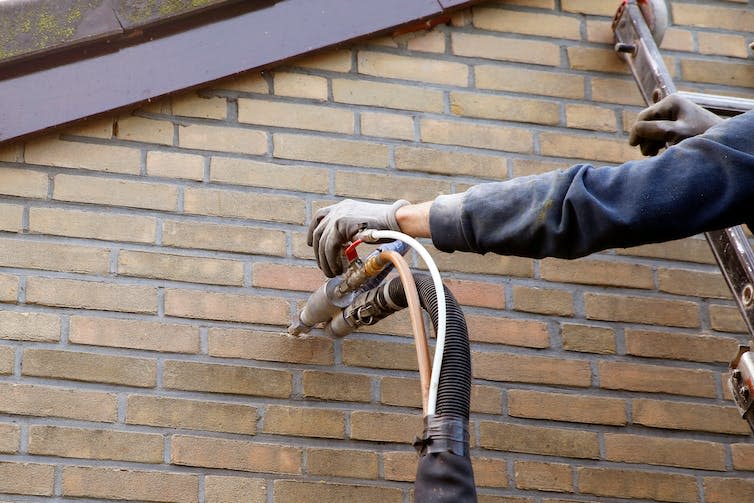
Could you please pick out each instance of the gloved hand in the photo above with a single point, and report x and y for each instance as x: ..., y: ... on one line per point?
x: 670, y: 120
x: 333, y: 227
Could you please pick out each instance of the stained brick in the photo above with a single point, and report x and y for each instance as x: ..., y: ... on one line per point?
x: 89, y: 156
x: 233, y: 238
x: 201, y: 304
x: 637, y: 484
x: 334, y: 60
x: 567, y: 407
x: 538, y: 440
x: 26, y: 326
x: 505, y: 49
x: 46, y: 401
x: 91, y: 295
x: 643, y: 449
x: 265, y: 174
x: 234, y: 379
x: 135, y: 334
x: 92, y: 225
x: 118, y: 483
x: 248, y: 82
x: 235, y: 455
x: 191, y: 414
x: 205, y: 270
x: 531, y: 369
x: 269, y: 346
x: 114, y: 192
x: 408, y: 68
x: 248, y: 205
x: 95, y: 444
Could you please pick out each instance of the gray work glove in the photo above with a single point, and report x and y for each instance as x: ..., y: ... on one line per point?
x: 670, y: 120
x: 333, y: 227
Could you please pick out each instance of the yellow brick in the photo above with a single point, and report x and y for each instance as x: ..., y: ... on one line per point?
x: 623, y: 92
x: 490, y: 472
x: 191, y: 414
x: 656, y: 379
x: 688, y: 416
x: 225, y: 306
x: 7, y: 360
x: 223, y: 139
x: 337, y: 386
x: 91, y: 295
x: 248, y: 82
x: 135, y: 334
x: 694, y: 283
x: 88, y: 189
x: 36, y: 327
x: 641, y: 310
x: 684, y: 250
x: 388, y: 187
x: 572, y: 443
x: 676, y: 39
x: 27, y: 478
x: 374, y: 354
x: 477, y: 293
x: 55, y: 257
x: 722, y: 44
x: 334, y: 60
x: 675, y: 346
x: 119, y: 483
x: 330, y: 150
x: 342, y: 463
x: 193, y: 105
x: 8, y: 288
x: 408, y: 68
x: 400, y: 127
x: 567, y: 407
x: 10, y: 438
x: 384, y: 426
x: 487, y: 264
x: 296, y: 116
x: 528, y: 23
x: 299, y: 85
x: 180, y: 268
x: 743, y: 456
x: 644, y: 449
x: 93, y: 128
x: 223, y: 489
x: 266, y: 174
x: 175, y: 165
x: 594, y: 7
x: 487, y: 106
x: 531, y: 369
x: 512, y: 332
x: 725, y: 489
x: 45, y: 401
x: 304, y: 421
x: 470, y: 134
x: 400, y: 466
x: 597, y: 272
x: 595, y: 59
x: 428, y: 41
x: 68, y: 154
x: 269, y: 346
x: 23, y: 183
x: 726, y: 319
x: 590, y: 117
x: 92, y: 225
x: 235, y: 238
x: 505, y: 49
x: 381, y: 94
x: 588, y: 339
x: 190, y: 376
x: 248, y: 205
x: 543, y: 300
x: 11, y: 217
x: 528, y: 81
x: 293, y: 490
x: 713, y: 16
x: 12, y: 152
x: 542, y: 476
x: 400, y: 392
x: 581, y: 147
x: 486, y: 399
x: 95, y: 444
x: 71, y: 365
x: 235, y: 455
x: 144, y: 130
x: 637, y: 484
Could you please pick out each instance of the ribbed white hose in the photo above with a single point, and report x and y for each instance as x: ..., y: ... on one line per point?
x: 434, y: 383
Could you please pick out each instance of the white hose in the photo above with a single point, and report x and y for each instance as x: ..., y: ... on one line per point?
x: 434, y: 383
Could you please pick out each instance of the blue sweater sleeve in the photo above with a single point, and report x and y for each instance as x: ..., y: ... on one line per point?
x: 703, y: 183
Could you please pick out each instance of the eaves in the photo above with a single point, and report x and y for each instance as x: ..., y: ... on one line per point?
x: 65, y: 60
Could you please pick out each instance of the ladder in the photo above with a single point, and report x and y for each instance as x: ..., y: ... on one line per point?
x: 638, y: 26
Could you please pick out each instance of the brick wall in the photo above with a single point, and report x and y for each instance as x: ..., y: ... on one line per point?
x: 150, y: 262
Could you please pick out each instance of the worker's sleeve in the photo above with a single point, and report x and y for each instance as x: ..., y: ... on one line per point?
x: 703, y: 183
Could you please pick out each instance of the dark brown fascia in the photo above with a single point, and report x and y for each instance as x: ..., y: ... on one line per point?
x: 87, y: 76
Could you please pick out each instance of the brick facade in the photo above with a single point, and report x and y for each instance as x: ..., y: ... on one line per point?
x: 150, y: 263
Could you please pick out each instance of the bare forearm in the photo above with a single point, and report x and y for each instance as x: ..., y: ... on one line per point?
x: 413, y: 219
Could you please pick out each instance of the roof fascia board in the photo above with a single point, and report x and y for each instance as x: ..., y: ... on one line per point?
x: 62, y: 94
